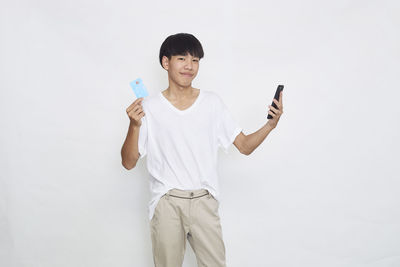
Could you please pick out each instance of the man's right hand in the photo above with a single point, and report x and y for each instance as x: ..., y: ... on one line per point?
x: 135, y: 112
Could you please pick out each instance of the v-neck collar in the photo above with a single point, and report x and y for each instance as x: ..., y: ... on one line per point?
x: 185, y: 110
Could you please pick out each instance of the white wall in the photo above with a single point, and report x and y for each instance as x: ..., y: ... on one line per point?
x: 322, y: 190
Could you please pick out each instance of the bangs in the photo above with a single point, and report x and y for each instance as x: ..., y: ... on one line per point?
x: 181, y: 44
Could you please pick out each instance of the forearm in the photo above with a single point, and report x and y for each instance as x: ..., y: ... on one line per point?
x: 255, y: 139
x: 130, y: 150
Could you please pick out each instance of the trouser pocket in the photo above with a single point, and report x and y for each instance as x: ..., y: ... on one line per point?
x: 156, y: 213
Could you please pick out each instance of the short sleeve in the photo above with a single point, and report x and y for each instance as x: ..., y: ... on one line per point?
x: 227, y: 127
x: 142, y: 142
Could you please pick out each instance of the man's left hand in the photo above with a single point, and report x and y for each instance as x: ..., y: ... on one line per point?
x: 275, y: 113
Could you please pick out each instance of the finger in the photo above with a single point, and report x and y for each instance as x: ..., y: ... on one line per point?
x: 137, y: 116
x: 278, y: 104
x: 272, y: 114
x: 276, y: 111
x: 136, y: 110
x: 136, y: 102
x: 132, y: 108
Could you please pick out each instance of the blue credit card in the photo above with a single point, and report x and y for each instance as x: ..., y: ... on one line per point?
x: 138, y: 88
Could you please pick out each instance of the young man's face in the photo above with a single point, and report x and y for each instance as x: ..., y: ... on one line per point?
x: 182, y: 69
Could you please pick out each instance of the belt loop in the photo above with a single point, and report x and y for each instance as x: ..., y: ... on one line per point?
x: 209, y: 194
x: 167, y: 195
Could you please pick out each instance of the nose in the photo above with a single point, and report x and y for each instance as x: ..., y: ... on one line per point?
x: 189, y: 65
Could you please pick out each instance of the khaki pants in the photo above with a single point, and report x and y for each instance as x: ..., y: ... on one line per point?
x: 192, y: 215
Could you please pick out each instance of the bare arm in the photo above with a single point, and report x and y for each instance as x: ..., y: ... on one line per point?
x: 130, y: 150
x: 250, y: 142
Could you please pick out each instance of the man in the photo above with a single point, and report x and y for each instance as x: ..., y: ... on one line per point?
x: 180, y: 130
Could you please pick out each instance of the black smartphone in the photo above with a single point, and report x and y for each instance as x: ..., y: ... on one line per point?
x: 278, y: 91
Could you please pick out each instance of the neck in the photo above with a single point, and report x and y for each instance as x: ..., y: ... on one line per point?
x: 179, y: 92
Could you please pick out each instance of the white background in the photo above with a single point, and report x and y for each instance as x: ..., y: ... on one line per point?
x: 322, y: 190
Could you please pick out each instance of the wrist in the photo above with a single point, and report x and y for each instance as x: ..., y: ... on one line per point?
x: 133, y: 125
x: 269, y: 126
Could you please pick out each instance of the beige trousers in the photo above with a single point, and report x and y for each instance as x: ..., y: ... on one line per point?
x: 191, y: 215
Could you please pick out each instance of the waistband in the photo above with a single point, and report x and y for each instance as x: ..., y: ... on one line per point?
x: 187, y: 193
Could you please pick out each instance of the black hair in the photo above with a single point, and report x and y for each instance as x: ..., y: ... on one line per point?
x: 181, y: 44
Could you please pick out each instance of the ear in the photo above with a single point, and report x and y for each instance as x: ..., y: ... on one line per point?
x: 165, y: 62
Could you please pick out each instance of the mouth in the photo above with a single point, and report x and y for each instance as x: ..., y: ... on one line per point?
x: 187, y: 74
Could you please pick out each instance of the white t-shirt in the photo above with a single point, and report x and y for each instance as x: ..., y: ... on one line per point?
x: 182, y: 145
